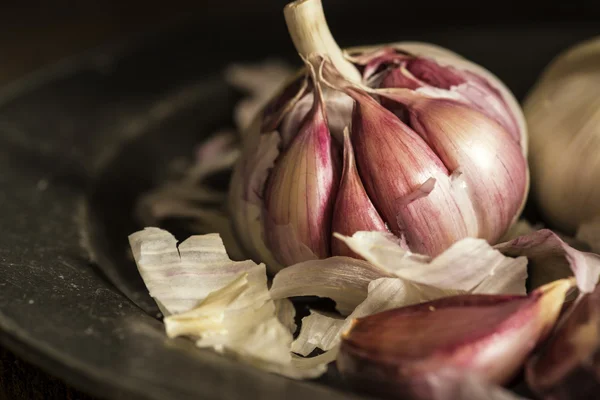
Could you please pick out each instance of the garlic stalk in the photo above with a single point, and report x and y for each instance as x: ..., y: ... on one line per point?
x: 407, y: 139
x: 563, y: 114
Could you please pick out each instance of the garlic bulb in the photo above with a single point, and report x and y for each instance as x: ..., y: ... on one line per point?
x: 409, y: 139
x: 563, y: 114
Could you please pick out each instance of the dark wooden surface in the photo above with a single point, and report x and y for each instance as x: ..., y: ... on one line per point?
x: 21, y: 380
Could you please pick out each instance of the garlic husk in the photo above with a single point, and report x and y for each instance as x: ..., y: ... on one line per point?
x: 342, y: 279
x: 407, y: 278
x: 261, y: 81
x: 550, y: 259
x: 408, y: 351
x: 485, y: 264
x: 563, y: 114
x: 393, y: 278
x: 434, y: 206
x: 221, y: 304
x: 245, y: 194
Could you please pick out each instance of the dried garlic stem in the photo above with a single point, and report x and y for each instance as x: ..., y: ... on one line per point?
x: 309, y: 31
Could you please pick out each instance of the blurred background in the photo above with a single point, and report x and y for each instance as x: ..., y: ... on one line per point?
x: 37, y: 34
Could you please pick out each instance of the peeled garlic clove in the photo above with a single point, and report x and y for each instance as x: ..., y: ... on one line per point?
x: 353, y: 209
x: 300, y: 193
x: 568, y: 367
x: 399, y: 170
x: 408, y: 351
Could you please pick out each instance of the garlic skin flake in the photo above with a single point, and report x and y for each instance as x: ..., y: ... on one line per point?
x: 411, y: 279
x: 179, y: 277
x: 464, y: 266
x: 550, y: 259
x: 223, y: 304
x: 345, y: 280
x: 563, y: 114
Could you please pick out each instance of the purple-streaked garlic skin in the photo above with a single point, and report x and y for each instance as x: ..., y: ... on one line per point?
x: 421, y: 351
x: 492, y: 164
x: 474, y: 90
x: 300, y: 193
x: 421, y: 125
x: 353, y: 210
x: 394, y: 162
x: 568, y: 367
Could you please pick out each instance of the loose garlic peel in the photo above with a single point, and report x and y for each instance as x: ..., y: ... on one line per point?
x: 563, y: 114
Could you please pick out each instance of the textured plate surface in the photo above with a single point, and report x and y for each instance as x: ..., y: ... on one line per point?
x: 80, y: 141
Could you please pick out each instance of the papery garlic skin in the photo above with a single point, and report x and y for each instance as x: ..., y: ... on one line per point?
x: 563, y: 115
x: 435, y: 155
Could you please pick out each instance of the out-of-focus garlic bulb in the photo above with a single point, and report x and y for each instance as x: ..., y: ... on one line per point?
x: 563, y: 116
x: 405, y: 138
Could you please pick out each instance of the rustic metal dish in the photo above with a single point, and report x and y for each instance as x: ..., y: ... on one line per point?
x: 79, y: 142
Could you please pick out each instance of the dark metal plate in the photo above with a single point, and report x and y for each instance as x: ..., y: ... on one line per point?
x: 80, y: 141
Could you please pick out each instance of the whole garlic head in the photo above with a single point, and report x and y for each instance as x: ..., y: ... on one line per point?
x: 563, y: 115
x: 405, y: 138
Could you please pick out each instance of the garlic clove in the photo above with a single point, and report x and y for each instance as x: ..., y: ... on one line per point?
x: 408, y: 351
x: 492, y: 165
x: 569, y: 367
x: 353, y: 210
x: 484, y: 97
x: 394, y: 162
x: 300, y: 193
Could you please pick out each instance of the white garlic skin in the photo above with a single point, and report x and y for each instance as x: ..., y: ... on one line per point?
x: 563, y: 117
